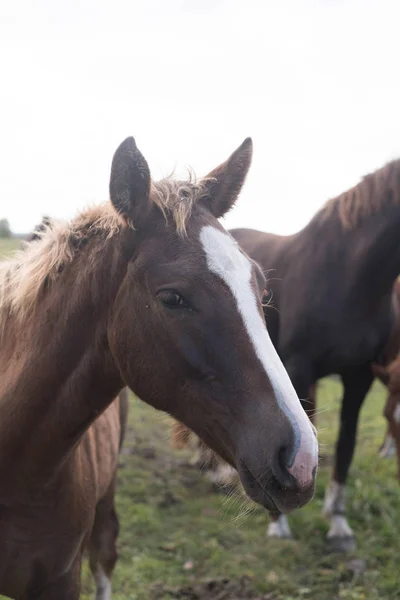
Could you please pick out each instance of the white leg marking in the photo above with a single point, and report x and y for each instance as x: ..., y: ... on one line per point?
x: 339, y: 527
x: 227, y: 261
x: 279, y: 528
x: 388, y: 448
x: 223, y: 475
x: 103, y: 584
x: 396, y: 414
x: 334, y: 498
x: 200, y: 459
x: 334, y: 503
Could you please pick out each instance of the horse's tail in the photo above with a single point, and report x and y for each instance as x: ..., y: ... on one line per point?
x: 123, y: 413
x: 180, y: 435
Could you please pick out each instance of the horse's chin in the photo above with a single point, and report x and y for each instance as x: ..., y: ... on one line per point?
x: 275, y: 502
x: 254, y: 490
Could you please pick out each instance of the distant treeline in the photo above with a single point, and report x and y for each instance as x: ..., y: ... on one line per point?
x: 5, y: 229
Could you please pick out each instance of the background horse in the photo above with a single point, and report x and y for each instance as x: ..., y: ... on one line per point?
x: 333, y: 311
x: 332, y: 288
x: 151, y: 292
x: 380, y: 370
x: 391, y: 376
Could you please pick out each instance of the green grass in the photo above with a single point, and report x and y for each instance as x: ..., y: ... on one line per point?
x: 170, y: 516
x: 8, y: 245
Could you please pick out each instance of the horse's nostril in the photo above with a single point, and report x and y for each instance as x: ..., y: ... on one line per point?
x: 282, y: 466
x: 283, y: 456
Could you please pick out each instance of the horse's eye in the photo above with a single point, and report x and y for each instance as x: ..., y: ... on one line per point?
x: 266, y: 297
x: 172, y: 299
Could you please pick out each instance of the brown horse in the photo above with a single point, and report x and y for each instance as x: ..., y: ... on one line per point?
x: 390, y: 375
x: 332, y: 312
x: 151, y: 292
x: 380, y: 370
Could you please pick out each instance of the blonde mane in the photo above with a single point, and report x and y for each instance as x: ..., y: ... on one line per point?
x: 177, y: 198
x: 23, y: 276
x: 375, y: 192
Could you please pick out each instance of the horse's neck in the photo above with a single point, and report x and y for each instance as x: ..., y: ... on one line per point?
x: 58, y: 375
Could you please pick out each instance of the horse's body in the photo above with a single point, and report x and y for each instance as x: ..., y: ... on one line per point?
x: 147, y: 291
x: 41, y: 532
x: 380, y: 370
x: 332, y: 304
x: 390, y: 375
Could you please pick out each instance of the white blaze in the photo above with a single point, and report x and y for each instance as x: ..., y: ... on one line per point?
x: 227, y: 261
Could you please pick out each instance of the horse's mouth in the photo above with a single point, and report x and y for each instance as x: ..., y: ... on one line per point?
x: 254, y: 489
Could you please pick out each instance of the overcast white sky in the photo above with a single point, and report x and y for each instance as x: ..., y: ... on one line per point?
x: 315, y: 83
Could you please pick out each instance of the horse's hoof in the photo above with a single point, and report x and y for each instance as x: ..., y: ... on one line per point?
x: 388, y: 448
x: 387, y: 452
x: 342, y: 544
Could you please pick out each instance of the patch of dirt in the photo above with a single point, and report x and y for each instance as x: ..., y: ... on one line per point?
x: 214, y: 589
x: 189, y: 481
x: 168, y: 499
x: 144, y: 452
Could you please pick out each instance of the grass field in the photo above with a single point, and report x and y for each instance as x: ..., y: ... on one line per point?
x: 171, y: 520
x: 7, y: 245
x: 177, y: 533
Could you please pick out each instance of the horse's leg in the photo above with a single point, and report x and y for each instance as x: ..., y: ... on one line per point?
x: 388, y: 448
x: 356, y: 386
x: 180, y: 436
x: 203, y: 457
x: 396, y: 432
x: 397, y: 439
x: 102, y: 546
x: 222, y: 475
x: 300, y: 376
x: 279, y: 527
x: 66, y: 587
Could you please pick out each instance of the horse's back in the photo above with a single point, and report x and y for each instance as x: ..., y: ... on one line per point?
x: 261, y: 246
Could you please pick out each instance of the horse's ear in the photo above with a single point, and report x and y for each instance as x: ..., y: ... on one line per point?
x: 224, y: 183
x: 130, y: 183
x: 380, y: 372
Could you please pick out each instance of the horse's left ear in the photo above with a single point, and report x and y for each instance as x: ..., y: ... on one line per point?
x: 224, y: 183
x: 130, y: 183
